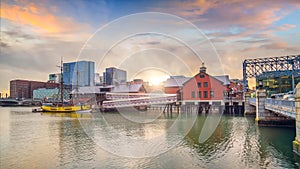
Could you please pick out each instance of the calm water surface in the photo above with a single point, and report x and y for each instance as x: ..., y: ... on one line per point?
x: 34, y: 140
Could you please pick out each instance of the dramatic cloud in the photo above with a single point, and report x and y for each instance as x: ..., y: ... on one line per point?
x: 33, y: 39
x: 39, y: 17
x: 35, y: 34
x: 252, y: 14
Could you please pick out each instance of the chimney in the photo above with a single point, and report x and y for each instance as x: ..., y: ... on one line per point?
x: 202, y: 68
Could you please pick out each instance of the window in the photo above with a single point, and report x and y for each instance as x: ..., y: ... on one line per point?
x: 202, y: 76
x: 205, y: 94
x: 199, y: 94
x: 193, y: 94
x: 205, y: 84
x: 199, y: 84
x: 66, y: 68
x: 212, y: 94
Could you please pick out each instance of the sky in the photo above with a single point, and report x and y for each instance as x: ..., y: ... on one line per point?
x: 149, y: 39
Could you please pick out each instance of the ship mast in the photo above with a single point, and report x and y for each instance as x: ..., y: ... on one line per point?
x: 61, y: 81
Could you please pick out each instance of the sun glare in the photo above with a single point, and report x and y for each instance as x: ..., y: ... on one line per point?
x: 154, y: 81
x: 153, y: 76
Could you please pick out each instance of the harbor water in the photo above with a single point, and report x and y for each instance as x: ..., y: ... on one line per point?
x: 149, y: 139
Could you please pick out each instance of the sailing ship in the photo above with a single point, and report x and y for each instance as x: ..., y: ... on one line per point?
x: 63, y: 107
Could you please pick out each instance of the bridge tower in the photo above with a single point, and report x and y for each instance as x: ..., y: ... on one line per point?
x: 263, y: 116
x: 249, y: 110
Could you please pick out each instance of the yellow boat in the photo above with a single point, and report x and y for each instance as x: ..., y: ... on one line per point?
x: 64, y: 108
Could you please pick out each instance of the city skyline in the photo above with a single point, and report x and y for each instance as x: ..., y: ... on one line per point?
x: 35, y: 34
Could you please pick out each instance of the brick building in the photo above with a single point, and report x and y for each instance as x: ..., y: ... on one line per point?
x: 202, y: 88
x: 236, y: 89
x: 24, y: 88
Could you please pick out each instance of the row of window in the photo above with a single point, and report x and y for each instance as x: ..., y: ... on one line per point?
x: 205, y: 84
x: 205, y: 94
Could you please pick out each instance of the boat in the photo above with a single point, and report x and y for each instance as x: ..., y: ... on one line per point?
x: 36, y: 110
x: 62, y: 106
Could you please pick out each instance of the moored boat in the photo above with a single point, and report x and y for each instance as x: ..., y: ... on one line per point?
x: 63, y: 108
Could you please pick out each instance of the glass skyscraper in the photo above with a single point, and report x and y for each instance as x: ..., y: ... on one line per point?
x: 81, y: 73
x: 114, y: 76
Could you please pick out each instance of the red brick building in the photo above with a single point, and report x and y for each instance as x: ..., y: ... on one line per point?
x: 205, y: 88
x: 24, y: 88
x: 236, y: 89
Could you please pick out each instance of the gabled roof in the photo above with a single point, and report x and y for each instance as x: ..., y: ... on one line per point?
x: 224, y: 79
x: 214, y: 77
x: 131, y: 88
x: 176, y: 81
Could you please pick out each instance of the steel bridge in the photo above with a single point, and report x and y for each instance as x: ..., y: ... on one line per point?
x: 282, y: 66
x: 117, y: 100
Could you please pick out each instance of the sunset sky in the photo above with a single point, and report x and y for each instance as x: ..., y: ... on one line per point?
x: 35, y: 34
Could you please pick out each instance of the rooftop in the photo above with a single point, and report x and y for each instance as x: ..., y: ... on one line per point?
x: 131, y: 88
x: 175, y: 81
x: 224, y: 79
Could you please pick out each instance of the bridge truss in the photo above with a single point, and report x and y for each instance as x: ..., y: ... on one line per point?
x: 281, y: 66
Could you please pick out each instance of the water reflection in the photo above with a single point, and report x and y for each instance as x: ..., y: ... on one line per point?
x: 210, y: 147
x: 237, y: 141
x: 71, y: 115
x: 123, y: 136
x: 275, y: 142
x: 48, y: 140
x: 75, y: 147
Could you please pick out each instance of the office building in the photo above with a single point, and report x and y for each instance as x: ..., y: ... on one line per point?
x: 114, y: 76
x: 81, y: 73
x: 54, y: 77
x: 98, y: 79
x: 278, y: 81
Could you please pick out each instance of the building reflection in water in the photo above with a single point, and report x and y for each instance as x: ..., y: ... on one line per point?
x: 75, y: 147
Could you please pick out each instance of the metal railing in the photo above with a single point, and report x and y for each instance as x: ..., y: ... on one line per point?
x: 281, y: 103
x: 115, y: 96
x: 283, y: 107
x: 140, y: 101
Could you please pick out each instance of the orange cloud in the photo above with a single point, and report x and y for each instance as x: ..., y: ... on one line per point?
x: 38, y: 17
